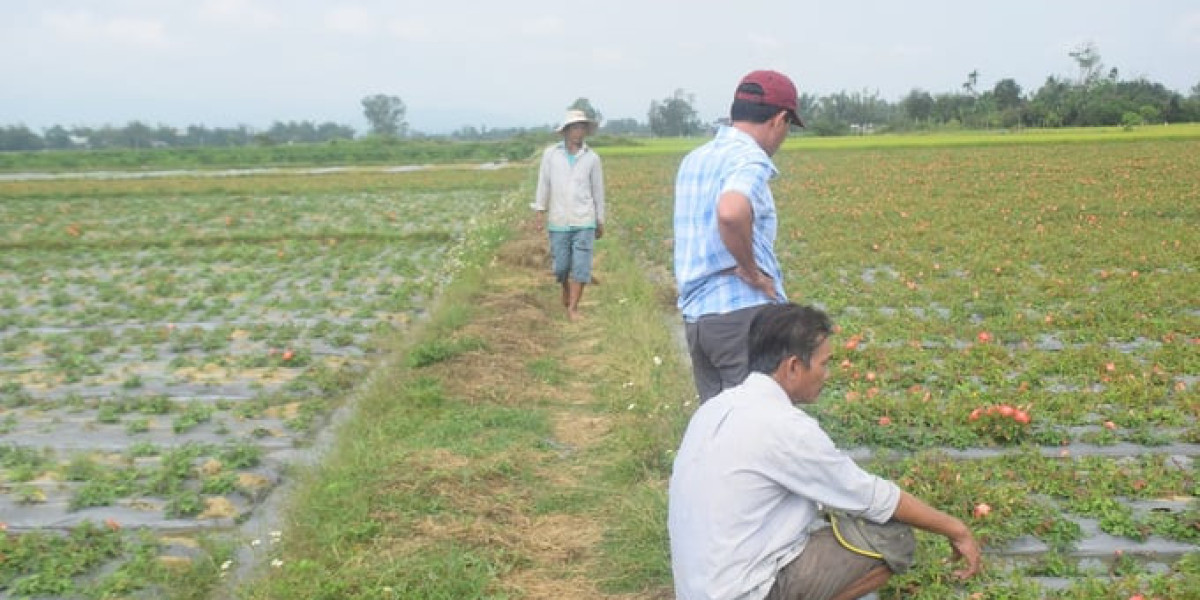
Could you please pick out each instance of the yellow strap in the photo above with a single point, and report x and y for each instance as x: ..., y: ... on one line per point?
x: 847, y: 545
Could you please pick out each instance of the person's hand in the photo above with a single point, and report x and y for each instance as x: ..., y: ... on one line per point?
x: 599, y: 230
x: 967, y: 549
x: 539, y: 220
x: 758, y: 280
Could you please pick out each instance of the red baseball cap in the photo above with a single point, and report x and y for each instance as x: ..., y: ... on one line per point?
x: 771, y: 88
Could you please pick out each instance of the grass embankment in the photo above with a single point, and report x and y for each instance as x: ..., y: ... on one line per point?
x: 505, y: 452
x: 800, y: 141
x: 363, y: 154
x: 337, y: 152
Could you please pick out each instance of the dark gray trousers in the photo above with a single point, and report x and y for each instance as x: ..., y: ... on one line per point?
x: 717, y: 345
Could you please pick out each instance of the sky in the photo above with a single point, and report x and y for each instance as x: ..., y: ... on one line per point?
x: 520, y: 63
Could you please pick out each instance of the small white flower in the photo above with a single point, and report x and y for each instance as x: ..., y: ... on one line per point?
x: 255, y: 543
x: 622, y: 300
x: 657, y: 361
x: 627, y: 384
x: 276, y: 563
x: 225, y: 565
x: 631, y: 407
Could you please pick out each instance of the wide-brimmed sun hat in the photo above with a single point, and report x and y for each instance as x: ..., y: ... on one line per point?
x: 577, y: 116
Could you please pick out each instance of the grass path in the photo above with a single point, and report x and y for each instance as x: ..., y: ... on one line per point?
x: 507, y: 452
x: 532, y: 355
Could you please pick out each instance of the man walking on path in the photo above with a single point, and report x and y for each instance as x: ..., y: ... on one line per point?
x: 754, y: 473
x: 570, y: 206
x: 725, y: 226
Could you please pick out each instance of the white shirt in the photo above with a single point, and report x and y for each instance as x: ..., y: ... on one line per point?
x: 750, y: 477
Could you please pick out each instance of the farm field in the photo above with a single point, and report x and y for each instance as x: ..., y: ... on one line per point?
x: 1059, y: 281
x: 170, y: 347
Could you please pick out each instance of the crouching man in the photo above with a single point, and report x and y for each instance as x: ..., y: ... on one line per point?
x: 756, y: 479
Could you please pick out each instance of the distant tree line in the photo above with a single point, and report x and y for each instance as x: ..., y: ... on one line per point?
x: 1058, y: 103
x: 1095, y: 97
x: 138, y: 135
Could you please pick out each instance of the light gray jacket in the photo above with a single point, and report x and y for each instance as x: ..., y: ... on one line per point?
x: 573, y: 195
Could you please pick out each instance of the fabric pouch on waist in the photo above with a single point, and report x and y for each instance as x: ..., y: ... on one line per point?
x: 892, y: 542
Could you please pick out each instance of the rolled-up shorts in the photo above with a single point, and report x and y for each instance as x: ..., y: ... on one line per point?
x: 825, y: 567
x: 572, y: 252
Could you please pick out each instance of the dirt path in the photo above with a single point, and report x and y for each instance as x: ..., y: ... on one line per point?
x: 535, y: 356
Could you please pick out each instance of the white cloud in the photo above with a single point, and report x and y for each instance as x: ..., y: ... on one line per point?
x: 908, y: 51
x: 82, y: 26
x: 410, y: 30
x: 607, y: 57
x: 352, y: 20
x: 244, y: 13
x: 765, y: 44
x: 1187, y: 30
x: 142, y: 32
x: 255, y: 60
x: 543, y: 26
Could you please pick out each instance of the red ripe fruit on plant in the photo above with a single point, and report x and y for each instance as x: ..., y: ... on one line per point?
x: 288, y: 355
x: 982, y: 510
x: 885, y: 421
x: 1021, y: 417
x: 984, y: 337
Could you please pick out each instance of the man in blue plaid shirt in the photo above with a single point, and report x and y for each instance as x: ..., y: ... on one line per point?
x: 725, y: 227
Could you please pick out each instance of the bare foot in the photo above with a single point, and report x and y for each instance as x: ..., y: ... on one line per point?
x: 573, y: 315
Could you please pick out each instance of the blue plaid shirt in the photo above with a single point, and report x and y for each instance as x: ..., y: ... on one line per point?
x: 704, y: 268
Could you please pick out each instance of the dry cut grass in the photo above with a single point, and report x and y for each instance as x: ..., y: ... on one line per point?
x: 517, y: 317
